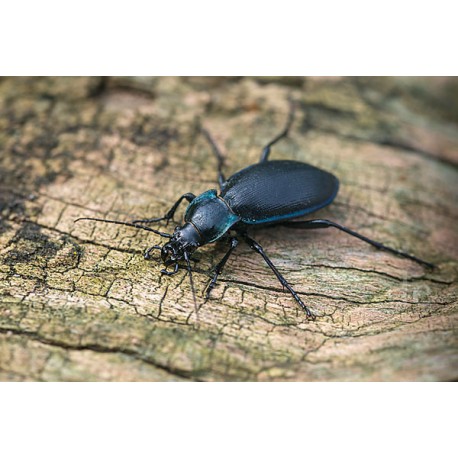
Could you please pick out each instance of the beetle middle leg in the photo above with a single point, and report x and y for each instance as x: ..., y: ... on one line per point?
x: 324, y: 223
x: 170, y: 214
x: 219, y: 267
x: 266, y: 151
x: 258, y: 248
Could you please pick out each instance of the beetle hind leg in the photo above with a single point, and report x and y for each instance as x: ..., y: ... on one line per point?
x: 284, y: 133
x: 219, y: 157
x: 219, y: 267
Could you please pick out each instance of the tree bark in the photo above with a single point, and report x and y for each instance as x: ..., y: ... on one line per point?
x: 79, y: 302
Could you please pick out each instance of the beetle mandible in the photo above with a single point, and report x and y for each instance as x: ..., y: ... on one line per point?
x: 268, y: 193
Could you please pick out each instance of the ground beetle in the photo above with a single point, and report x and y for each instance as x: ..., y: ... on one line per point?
x: 266, y: 193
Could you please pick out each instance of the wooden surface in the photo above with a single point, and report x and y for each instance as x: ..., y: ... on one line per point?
x: 79, y: 302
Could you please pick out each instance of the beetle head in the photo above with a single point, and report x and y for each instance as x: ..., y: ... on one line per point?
x: 185, y: 240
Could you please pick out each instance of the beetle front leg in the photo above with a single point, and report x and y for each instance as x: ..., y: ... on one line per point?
x: 170, y: 214
x: 219, y: 267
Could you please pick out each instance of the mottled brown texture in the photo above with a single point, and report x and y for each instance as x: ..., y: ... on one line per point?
x: 79, y: 302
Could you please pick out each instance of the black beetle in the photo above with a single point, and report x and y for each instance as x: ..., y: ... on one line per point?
x: 266, y: 193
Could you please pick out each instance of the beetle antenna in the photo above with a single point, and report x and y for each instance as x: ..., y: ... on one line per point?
x: 122, y: 223
x: 186, y: 256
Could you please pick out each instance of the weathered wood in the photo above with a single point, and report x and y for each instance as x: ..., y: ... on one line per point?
x: 79, y: 302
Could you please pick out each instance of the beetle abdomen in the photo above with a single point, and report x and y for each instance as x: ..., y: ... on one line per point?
x: 278, y: 190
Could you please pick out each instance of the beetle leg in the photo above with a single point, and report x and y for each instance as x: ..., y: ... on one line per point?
x: 219, y: 157
x: 219, y: 267
x: 266, y: 151
x: 169, y: 215
x: 258, y: 248
x: 324, y: 223
x: 173, y: 272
